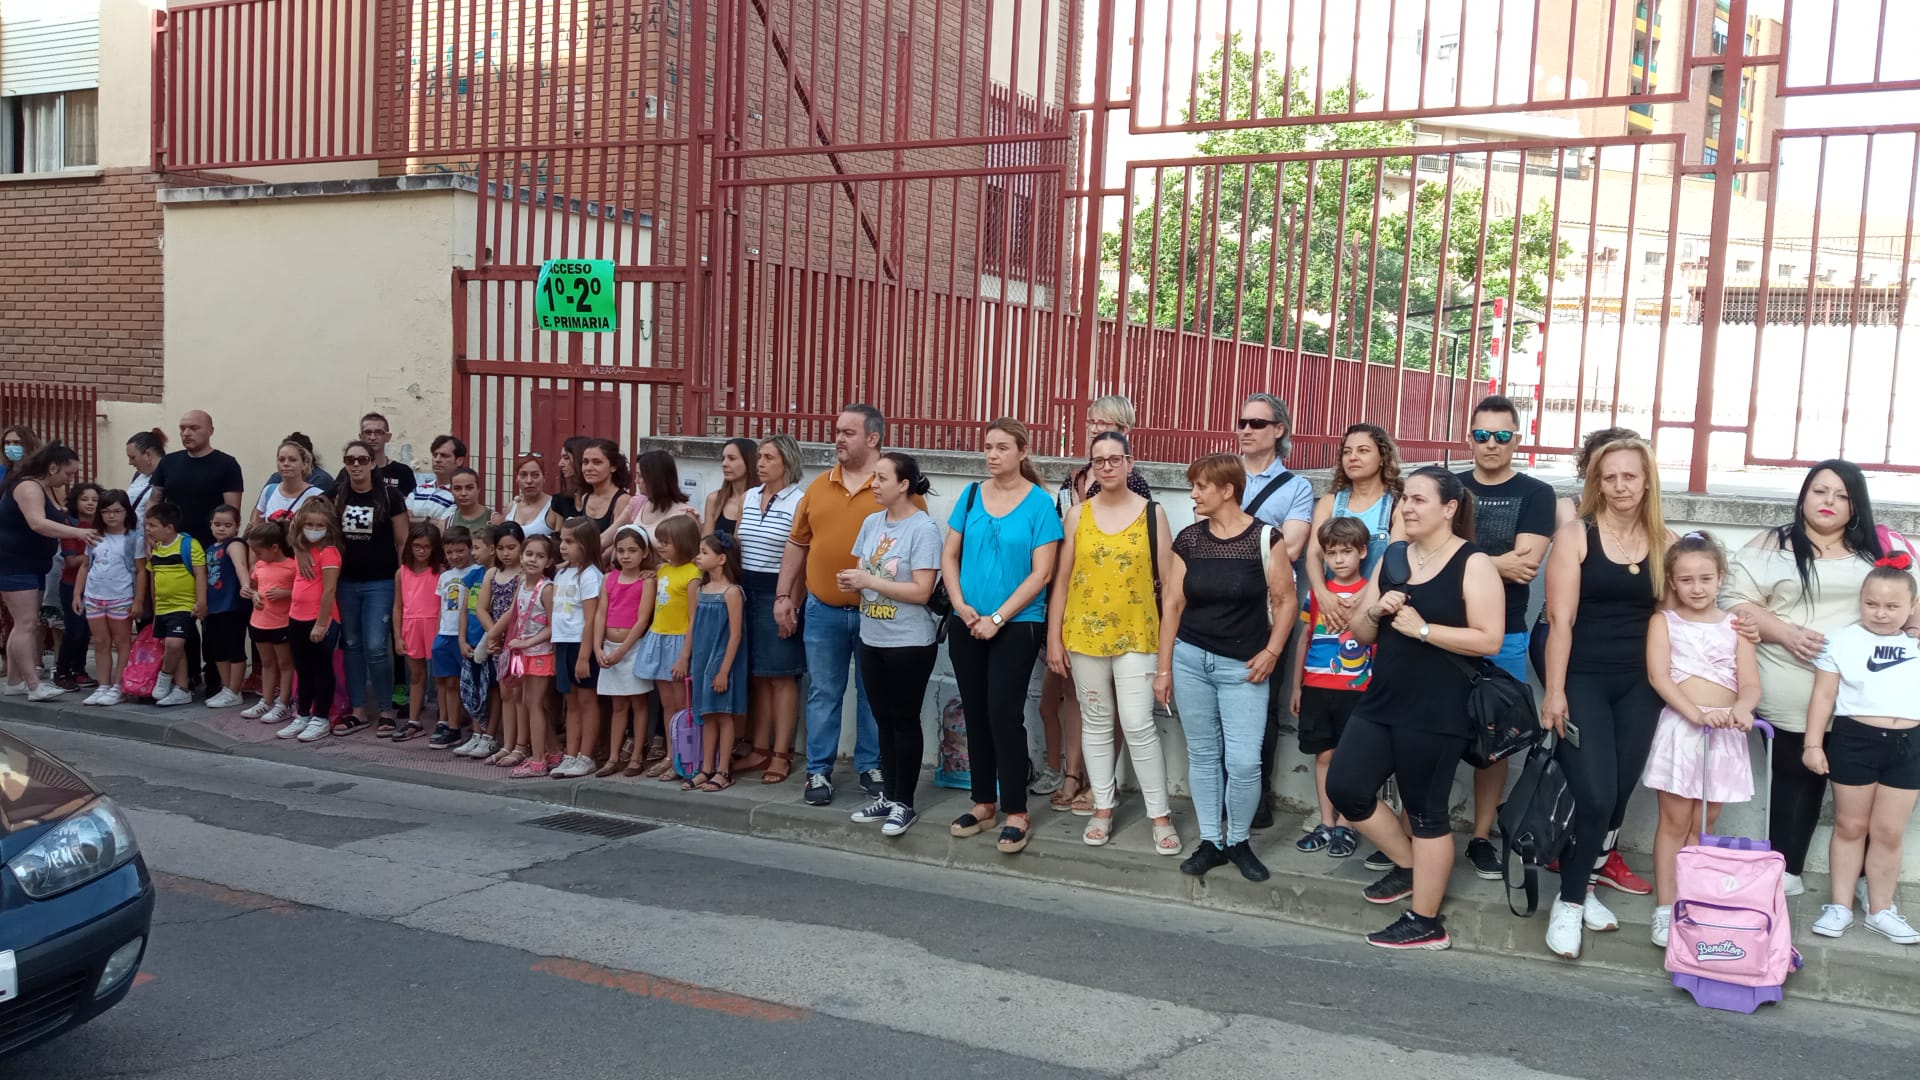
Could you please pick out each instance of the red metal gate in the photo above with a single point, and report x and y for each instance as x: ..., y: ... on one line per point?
x: 1640, y: 212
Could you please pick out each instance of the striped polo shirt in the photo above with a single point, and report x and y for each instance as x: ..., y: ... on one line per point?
x: 763, y: 536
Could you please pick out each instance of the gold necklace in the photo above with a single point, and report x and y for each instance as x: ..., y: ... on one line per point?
x: 1633, y: 564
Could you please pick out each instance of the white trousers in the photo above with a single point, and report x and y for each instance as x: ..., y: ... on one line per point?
x: 1110, y: 686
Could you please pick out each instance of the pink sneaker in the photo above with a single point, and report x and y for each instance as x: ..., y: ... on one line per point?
x: 529, y: 769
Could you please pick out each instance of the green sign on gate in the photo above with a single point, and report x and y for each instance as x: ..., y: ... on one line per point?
x: 576, y: 295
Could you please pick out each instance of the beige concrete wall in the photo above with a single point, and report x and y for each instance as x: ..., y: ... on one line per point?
x: 126, y: 82
x: 305, y: 313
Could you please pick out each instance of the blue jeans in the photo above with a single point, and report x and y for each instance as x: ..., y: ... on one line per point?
x: 1224, y: 717
x: 832, y: 636
x: 366, y: 625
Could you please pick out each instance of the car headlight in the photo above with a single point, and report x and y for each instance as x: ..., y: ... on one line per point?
x: 85, y: 846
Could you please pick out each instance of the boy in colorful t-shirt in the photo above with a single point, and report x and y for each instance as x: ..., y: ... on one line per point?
x: 179, y: 570
x: 1334, y: 669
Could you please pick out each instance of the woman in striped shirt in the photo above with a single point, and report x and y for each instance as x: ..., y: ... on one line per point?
x: 774, y: 660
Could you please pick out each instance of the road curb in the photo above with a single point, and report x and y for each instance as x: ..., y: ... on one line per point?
x: 1477, y: 917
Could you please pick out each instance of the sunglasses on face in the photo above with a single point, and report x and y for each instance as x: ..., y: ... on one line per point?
x: 358, y: 459
x: 1482, y: 435
x: 1255, y: 423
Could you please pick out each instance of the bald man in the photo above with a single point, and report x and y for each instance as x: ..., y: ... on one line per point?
x: 196, y: 478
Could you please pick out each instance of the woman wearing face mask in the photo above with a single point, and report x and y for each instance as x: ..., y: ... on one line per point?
x: 16, y: 443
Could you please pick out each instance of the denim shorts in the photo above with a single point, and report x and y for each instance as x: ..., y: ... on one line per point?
x: 23, y: 582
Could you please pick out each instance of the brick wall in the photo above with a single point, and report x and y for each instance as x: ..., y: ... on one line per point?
x: 80, y: 283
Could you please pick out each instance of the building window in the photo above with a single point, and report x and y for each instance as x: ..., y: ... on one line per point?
x: 49, y: 132
x: 1743, y: 266
x: 1655, y: 259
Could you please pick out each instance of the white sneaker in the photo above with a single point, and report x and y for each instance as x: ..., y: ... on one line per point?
x: 317, y: 729
x: 484, y: 746
x: 461, y: 750
x: 1794, y: 886
x: 94, y: 698
x: 110, y: 695
x: 1597, y: 916
x: 1563, y: 930
x: 46, y: 691
x: 225, y: 699
x: 1891, y: 925
x: 570, y: 767
x: 179, y: 695
x: 13, y: 689
x: 1834, y: 920
x: 257, y: 710
x: 162, y: 686
x: 1662, y: 923
x: 583, y: 765
x: 276, y: 714
x: 295, y: 726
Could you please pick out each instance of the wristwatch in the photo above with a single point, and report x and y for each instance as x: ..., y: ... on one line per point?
x: 1424, y: 628
x: 996, y: 620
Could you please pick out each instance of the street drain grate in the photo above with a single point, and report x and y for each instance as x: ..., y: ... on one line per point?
x: 592, y: 825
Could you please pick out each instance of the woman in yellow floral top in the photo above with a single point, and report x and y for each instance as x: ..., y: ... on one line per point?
x: 1103, y: 623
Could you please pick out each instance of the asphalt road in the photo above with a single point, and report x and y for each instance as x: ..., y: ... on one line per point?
x: 318, y: 925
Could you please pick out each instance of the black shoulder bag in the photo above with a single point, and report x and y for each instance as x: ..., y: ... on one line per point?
x: 1260, y: 499
x: 1499, y: 706
x: 938, y: 601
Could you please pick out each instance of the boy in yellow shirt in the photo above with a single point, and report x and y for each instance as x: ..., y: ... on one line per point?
x: 179, y: 571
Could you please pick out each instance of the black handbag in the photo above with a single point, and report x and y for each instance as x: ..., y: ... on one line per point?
x: 1499, y: 706
x: 1536, y: 822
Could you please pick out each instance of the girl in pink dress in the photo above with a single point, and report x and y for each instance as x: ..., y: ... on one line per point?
x: 416, y: 618
x: 1710, y: 679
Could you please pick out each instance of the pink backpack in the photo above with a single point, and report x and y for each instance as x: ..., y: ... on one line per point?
x: 142, y: 672
x: 1730, y: 944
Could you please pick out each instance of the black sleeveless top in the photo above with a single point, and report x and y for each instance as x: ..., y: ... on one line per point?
x: 602, y: 522
x: 725, y: 525
x: 1417, y: 685
x: 1616, y: 601
x: 23, y: 551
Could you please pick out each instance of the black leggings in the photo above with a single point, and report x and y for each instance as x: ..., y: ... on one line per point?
x: 1794, y: 803
x: 1616, y: 713
x: 993, y: 677
x: 896, y: 682
x: 1281, y: 683
x: 312, y: 668
x: 1423, y: 763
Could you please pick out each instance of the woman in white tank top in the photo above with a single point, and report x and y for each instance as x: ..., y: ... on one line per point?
x: 532, y: 509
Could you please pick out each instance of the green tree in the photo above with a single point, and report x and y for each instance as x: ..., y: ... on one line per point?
x: 1260, y: 251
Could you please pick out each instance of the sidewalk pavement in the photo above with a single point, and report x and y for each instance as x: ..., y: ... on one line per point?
x: 1859, y: 969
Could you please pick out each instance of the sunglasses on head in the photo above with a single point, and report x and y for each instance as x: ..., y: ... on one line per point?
x: 1255, y: 423
x: 1482, y: 435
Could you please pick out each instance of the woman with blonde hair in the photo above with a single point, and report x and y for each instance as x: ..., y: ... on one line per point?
x: 1603, y: 583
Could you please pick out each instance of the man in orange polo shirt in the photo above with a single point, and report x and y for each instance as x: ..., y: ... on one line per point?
x: 825, y: 525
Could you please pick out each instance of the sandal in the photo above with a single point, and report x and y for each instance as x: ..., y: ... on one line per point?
x: 411, y: 729
x: 720, y: 781
x: 697, y: 780
x: 1344, y: 843
x: 1320, y: 837
x: 968, y: 825
x: 347, y: 725
x: 1166, y: 839
x: 1062, y: 799
x: 384, y: 729
x: 661, y: 769
x: 512, y: 760
x: 1099, y: 831
x: 1013, y: 839
x: 756, y: 759
x: 611, y: 768
x: 634, y: 768
x: 778, y: 769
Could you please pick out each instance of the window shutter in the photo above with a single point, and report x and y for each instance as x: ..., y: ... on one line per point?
x: 49, y: 46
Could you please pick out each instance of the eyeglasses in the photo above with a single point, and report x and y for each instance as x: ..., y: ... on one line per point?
x: 1108, y: 462
x: 1097, y: 424
x: 372, y: 433
x: 358, y: 459
x: 1482, y: 435
x: 1255, y: 423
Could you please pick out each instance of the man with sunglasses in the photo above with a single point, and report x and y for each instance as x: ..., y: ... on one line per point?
x: 1277, y: 497
x: 1513, y: 518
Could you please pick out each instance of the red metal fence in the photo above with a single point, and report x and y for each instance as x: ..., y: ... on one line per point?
x: 56, y: 413
x: 1677, y: 215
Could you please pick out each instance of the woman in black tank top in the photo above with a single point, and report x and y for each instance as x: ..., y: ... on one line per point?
x: 1603, y: 584
x: 604, y: 482
x: 1435, y: 603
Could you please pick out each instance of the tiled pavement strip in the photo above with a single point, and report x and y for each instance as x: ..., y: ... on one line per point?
x: 1860, y: 968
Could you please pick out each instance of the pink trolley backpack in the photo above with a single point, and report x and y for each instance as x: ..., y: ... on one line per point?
x: 1730, y: 944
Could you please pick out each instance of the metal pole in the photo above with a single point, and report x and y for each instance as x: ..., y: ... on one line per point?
x: 1714, y: 297
x: 1102, y: 106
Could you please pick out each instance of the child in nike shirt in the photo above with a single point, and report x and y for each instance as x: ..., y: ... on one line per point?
x: 1868, y: 684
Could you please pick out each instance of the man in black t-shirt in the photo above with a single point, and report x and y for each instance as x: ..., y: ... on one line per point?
x: 1513, y: 517
x: 376, y: 432
x: 197, y: 478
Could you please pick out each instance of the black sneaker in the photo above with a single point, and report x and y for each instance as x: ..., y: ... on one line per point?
x: 1204, y: 858
x: 1251, y: 868
x: 443, y: 737
x: 1377, y: 861
x: 819, y: 790
x: 873, y: 783
x: 1396, y: 885
x: 1263, y: 813
x: 1412, y: 931
x: 1485, y: 859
